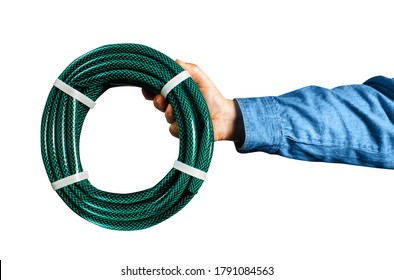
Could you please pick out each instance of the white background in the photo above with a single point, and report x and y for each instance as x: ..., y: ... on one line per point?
x: 308, y: 220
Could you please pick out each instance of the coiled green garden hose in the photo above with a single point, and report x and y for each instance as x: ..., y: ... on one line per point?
x: 92, y: 74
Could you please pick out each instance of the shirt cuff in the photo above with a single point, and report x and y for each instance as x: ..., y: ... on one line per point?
x: 261, y: 123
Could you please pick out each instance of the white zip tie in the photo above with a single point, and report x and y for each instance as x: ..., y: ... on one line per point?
x: 74, y: 93
x: 75, y: 178
x: 174, y: 82
x: 190, y: 170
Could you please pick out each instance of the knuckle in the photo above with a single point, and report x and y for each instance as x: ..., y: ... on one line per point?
x: 194, y: 68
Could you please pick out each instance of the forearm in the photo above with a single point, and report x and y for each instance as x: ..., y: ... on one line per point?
x: 348, y: 124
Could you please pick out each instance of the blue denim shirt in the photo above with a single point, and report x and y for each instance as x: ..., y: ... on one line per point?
x: 351, y: 124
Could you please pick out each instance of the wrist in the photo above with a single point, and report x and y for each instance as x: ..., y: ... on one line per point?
x: 233, y: 122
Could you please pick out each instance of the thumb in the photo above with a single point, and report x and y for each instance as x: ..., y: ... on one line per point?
x: 198, y: 76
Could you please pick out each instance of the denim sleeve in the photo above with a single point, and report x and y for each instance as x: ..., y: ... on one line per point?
x: 351, y: 124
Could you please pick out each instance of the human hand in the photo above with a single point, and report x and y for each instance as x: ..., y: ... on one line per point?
x: 224, y: 112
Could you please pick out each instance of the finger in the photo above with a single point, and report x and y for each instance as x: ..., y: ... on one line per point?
x: 174, y: 130
x: 147, y: 94
x: 169, y: 114
x: 160, y: 102
x: 199, y: 77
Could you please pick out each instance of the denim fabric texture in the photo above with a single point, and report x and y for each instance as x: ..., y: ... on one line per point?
x: 351, y: 124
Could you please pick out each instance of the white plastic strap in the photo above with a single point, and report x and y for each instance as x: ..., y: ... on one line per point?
x: 70, y: 180
x: 174, y: 82
x: 74, y: 93
x: 192, y: 171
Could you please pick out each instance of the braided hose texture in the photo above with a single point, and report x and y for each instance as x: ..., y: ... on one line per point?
x: 92, y: 74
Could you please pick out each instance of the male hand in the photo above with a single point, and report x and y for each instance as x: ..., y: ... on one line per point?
x: 224, y: 112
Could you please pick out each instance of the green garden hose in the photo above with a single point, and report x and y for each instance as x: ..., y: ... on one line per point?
x: 92, y: 74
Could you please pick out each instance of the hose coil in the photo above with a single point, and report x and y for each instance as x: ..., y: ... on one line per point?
x: 92, y: 74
